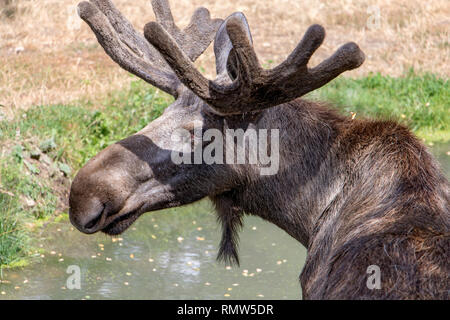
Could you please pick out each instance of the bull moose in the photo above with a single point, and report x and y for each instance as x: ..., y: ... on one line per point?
x: 358, y: 194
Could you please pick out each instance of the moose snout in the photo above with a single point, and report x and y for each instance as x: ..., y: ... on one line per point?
x: 88, y: 220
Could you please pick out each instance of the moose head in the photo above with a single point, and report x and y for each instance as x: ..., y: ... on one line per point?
x: 138, y: 174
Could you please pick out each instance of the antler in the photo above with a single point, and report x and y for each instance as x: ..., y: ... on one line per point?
x: 131, y: 50
x: 254, y: 88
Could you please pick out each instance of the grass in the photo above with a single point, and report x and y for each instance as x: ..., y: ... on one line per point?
x: 422, y: 102
x: 68, y: 135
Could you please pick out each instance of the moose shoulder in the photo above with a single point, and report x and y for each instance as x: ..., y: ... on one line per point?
x: 358, y: 194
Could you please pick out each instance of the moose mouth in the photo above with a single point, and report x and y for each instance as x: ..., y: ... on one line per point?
x: 121, y: 223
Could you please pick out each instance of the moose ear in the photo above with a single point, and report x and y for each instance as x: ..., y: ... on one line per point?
x: 226, y: 60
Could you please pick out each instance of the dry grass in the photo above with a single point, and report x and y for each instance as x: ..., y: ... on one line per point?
x: 62, y: 62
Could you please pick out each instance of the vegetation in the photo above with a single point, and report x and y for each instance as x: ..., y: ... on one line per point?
x: 42, y: 148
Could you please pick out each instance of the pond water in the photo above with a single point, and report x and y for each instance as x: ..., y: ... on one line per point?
x: 168, y: 254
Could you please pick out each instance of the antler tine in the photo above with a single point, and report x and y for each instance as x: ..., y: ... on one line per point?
x: 163, y: 14
x: 133, y: 52
x: 122, y: 52
x: 254, y: 88
x: 196, y: 37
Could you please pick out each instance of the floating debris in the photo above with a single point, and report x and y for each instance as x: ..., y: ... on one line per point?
x: 3, y: 292
x: 180, y: 239
x: 207, y: 284
x: 154, y: 269
x: 258, y: 270
x: 61, y: 260
x: 25, y: 281
x: 175, y: 284
x: 150, y: 260
x: 260, y: 295
x: 228, y: 267
x: 126, y: 283
x: 52, y: 252
x: 200, y: 238
x: 279, y: 262
x: 253, y: 228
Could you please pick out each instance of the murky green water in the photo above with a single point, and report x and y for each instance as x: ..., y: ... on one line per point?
x: 167, y: 255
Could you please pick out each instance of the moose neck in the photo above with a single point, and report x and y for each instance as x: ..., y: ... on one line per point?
x: 295, y: 197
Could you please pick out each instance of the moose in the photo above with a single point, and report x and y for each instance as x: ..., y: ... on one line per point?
x: 359, y: 194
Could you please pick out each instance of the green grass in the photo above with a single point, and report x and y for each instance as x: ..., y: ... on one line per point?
x: 422, y: 102
x: 71, y: 134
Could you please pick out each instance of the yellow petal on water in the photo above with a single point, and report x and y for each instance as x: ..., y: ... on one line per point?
x: 403, y: 116
x: 52, y: 252
x: 235, y: 284
x: 180, y: 239
x: 102, y: 249
x: 196, y: 269
x: 93, y: 257
x: 200, y: 238
x: 207, y: 284
x: 108, y: 259
x: 261, y: 295
x: 17, y: 287
x: 254, y: 228
x: 101, y: 245
x: 3, y: 292
x: 245, y: 271
x: 126, y: 283
x: 120, y: 244
x: 258, y: 270
x: 228, y: 267
x: 194, y: 222
x: 155, y: 226
x: 229, y: 289
x: 61, y: 260
x: 42, y: 256
x: 59, y: 230
x: 199, y: 228
x: 132, y: 256
x: 189, y: 263
x: 150, y: 260
x: 226, y: 295
x: 153, y: 236
x: 99, y: 254
x: 279, y: 262
x: 25, y: 281
x: 128, y: 273
x: 448, y: 153
x: 175, y: 284
x: 251, y: 274
x: 284, y: 260
x: 59, y: 254
x: 154, y: 270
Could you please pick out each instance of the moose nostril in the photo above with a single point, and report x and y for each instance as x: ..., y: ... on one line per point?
x: 94, y: 221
